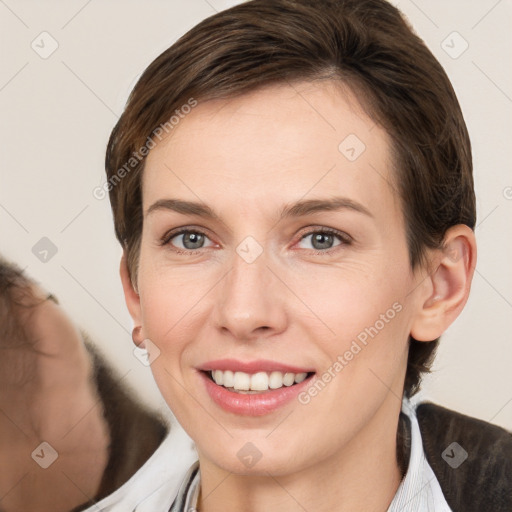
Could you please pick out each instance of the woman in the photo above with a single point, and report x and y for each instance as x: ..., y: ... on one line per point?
x: 291, y: 183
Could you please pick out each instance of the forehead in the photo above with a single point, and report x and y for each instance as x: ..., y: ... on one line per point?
x: 281, y: 143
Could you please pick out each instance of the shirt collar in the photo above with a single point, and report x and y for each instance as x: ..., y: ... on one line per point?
x: 188, y: 493
x: 419, y: 490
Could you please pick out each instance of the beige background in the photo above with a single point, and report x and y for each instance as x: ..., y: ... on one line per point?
x: 57, y: 113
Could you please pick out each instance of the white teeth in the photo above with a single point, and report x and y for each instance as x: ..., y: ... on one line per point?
x: 275, y: 380
x: 229, y: 379
x: 218, y: 377
x: 242, y: 381
x: 288, y: 379
x: 261, y: 381
x: 300, y: 377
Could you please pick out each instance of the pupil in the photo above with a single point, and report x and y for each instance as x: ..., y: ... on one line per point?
x: 319, y: 237
x: 194, y: 238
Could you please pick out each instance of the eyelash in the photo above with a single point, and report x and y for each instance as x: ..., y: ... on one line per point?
x: 343, y: 237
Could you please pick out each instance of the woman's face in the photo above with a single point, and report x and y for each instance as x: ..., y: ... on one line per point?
x: 274, y: 280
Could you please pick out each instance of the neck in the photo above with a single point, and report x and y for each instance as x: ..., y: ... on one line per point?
x: 362, y: 476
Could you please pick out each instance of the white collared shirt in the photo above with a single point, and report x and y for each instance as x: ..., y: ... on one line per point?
x: 170, y: 479
x: 419, y: 490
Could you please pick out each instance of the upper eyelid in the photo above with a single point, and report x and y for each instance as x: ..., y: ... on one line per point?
x: 171, y: 233
x: 319, y: 229
x: 345, y: 238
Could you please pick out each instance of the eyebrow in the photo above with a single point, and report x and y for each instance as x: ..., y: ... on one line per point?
x: 298, y: 209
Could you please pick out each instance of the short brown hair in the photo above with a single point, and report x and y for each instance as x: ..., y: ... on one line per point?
x: 366, y: 45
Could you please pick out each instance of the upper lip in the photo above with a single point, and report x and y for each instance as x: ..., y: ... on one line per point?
x: 258, y: 365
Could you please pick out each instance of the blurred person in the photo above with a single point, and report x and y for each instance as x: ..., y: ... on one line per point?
x: 70, y: 433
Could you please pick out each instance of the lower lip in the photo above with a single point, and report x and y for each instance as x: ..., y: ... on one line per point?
x: 257, y: 404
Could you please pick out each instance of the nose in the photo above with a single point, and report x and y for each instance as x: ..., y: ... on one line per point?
x: 250, y: 301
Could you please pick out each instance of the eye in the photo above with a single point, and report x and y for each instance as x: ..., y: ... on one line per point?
x: 323, y: 240
x: 185, y: 241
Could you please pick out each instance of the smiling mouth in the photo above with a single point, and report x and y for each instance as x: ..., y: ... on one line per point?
x: 256, y: 383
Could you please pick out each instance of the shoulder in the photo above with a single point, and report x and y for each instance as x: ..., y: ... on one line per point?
x: 471, y: 458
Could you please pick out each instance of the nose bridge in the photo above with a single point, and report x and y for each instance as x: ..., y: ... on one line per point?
x: 247, y: 302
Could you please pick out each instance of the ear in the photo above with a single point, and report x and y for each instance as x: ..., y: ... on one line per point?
x: 445, y: 290
x: 131, y: 296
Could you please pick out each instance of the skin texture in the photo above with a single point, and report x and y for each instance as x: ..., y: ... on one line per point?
x: 48, y: 395
x: 248, y: 158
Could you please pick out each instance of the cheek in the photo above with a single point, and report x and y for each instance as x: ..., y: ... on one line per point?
x: 345, y: 301
x: 164, y: 308
x: 167, y: 308
x: 360, y: 321
x: 167, y: 293
x: 362, y: 359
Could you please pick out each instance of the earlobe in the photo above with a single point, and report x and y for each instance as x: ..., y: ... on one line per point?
x: 131, y: 296
x: 448, y: 285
